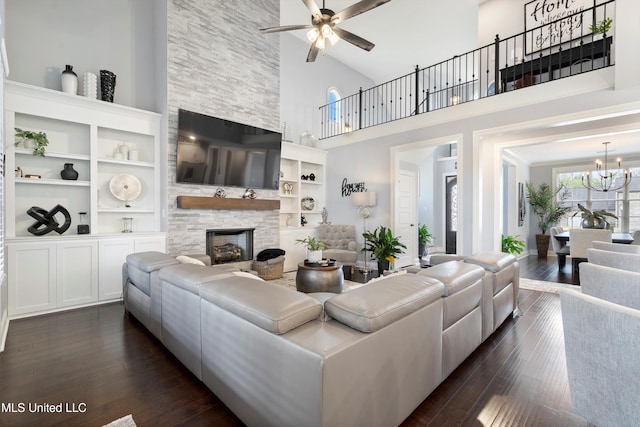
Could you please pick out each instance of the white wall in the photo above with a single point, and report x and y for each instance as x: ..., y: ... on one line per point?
x: 4, y: 314
x: 304, y: 86
x: 117, y: 35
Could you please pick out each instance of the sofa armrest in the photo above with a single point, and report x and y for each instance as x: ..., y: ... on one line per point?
x: 352, y: 246
x: 601, y: 339
x: 624, y: 261
x: 611, y: 284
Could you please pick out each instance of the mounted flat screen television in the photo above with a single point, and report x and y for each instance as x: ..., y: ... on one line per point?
x: 214, y: 151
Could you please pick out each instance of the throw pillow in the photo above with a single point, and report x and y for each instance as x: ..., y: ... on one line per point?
x: 183, y: 259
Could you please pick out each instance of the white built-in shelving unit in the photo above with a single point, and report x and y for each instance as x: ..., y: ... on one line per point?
x: 298, y: 161
x: 57, y: 271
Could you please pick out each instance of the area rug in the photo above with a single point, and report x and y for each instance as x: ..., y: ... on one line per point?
x: 126, y: 421
x: 542, y: 286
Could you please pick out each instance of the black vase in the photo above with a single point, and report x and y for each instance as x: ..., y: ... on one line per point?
x: 382, y: 266
x: 107, y: 85
x: 69, y: 173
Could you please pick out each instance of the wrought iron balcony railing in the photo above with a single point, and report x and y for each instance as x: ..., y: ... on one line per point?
x: 557, y: 49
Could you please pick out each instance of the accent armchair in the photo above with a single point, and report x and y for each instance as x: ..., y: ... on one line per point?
x: 602, y: 339
x: 339, y: 242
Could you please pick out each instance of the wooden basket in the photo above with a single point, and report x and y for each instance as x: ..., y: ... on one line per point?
x: 269, y: 271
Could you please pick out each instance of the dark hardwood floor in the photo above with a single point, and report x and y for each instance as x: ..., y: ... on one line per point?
x: 109, y: 362
x: 545, y: 269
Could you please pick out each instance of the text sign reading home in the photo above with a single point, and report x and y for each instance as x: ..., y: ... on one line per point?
x: 561, y: 21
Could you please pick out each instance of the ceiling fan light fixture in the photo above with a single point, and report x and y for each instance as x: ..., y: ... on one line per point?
x: 320, y: 43
x: 312, y: 35
x: 333, y: 38
x: 326, y: 30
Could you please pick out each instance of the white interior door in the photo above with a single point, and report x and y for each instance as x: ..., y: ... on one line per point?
x: 405, y: 216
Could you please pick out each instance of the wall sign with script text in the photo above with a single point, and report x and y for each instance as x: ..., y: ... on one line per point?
x: 354, y: 187
x: 567, y: 19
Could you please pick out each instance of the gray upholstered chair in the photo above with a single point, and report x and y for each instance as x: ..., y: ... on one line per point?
x: 561, y: 249
x: 602, y: 339
x: 617, y: 247
x: 619, y: 260
x: 636, y: 238
x: 582, y: 239
x: 339, y: 242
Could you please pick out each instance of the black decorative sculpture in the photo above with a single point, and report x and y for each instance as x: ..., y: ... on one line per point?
x: 46, y: 222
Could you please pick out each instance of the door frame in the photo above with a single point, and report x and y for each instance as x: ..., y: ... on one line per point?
x: 394, y: 161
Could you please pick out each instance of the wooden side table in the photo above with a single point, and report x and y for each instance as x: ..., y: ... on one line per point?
x: 319, y: 279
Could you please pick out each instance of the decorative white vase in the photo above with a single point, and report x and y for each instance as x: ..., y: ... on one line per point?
x: 315, y: 256
x: 69, y: 80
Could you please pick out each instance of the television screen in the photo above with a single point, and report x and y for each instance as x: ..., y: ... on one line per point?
x: 214, y: 151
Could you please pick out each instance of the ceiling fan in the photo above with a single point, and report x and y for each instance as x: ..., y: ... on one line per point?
x: 324, y: 27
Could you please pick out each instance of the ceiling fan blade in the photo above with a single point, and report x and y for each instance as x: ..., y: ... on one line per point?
x: 353, y: 39
x: 357, y: 9
x: 313, y: 52
x: 285, y: 28
x: 314, y: 9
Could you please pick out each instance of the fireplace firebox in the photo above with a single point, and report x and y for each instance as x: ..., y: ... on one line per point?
x: 230, y: 245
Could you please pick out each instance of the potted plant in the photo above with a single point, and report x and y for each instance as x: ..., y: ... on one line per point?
x: 314, y: 248
x: 383, y: 245
x: 424, y: 238
x: 512, y: 245
x: 595, y: 219
x: 39, y: 140
x: 602, y: 27
x: 546, y: 206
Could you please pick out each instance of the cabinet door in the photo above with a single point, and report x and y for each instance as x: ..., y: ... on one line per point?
x: 144, y: 244
x: 112, y: 254
x: 31, y: 269
x: 77, y: 272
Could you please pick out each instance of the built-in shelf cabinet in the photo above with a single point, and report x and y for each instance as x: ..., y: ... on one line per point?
x: 76, y: 269
x: 298, y: 161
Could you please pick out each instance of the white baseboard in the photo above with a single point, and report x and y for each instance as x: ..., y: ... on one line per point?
x: 4, y: 330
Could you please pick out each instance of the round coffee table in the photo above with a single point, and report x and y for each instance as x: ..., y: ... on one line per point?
x: 319, y: 279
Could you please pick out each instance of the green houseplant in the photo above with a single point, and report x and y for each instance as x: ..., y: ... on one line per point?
x: 314, y: 248
x: 547, y: 204
x: 424, y: 238
x: 512, y: 245
x: 595, y: 219
x: 39, y: 139
x: 383, y: 245
x: 602, y: 27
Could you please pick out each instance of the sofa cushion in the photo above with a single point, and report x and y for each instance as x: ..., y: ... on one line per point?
x: 375, y: 305
x: 150, y: 261
x: 492, y: 261
x: 189, y: 276
x: 271, y: 307
x: 140, y: 265
x: 455, y: 275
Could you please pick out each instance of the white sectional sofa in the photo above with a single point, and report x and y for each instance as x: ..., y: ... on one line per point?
x: 278, y: 357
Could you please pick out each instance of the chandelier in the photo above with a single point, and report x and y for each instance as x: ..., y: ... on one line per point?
x: 604, y: 181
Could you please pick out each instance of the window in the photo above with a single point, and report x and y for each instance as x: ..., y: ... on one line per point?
x: 333, y: 98
x: 624, y: 203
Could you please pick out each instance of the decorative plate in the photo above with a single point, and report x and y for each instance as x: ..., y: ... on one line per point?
x: 307, y: 203
x: 125, y: 187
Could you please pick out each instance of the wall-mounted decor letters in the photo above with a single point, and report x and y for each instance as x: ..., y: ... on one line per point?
x: 355, y: 187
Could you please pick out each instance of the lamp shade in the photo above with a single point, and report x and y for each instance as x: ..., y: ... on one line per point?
x: 367, y: 198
